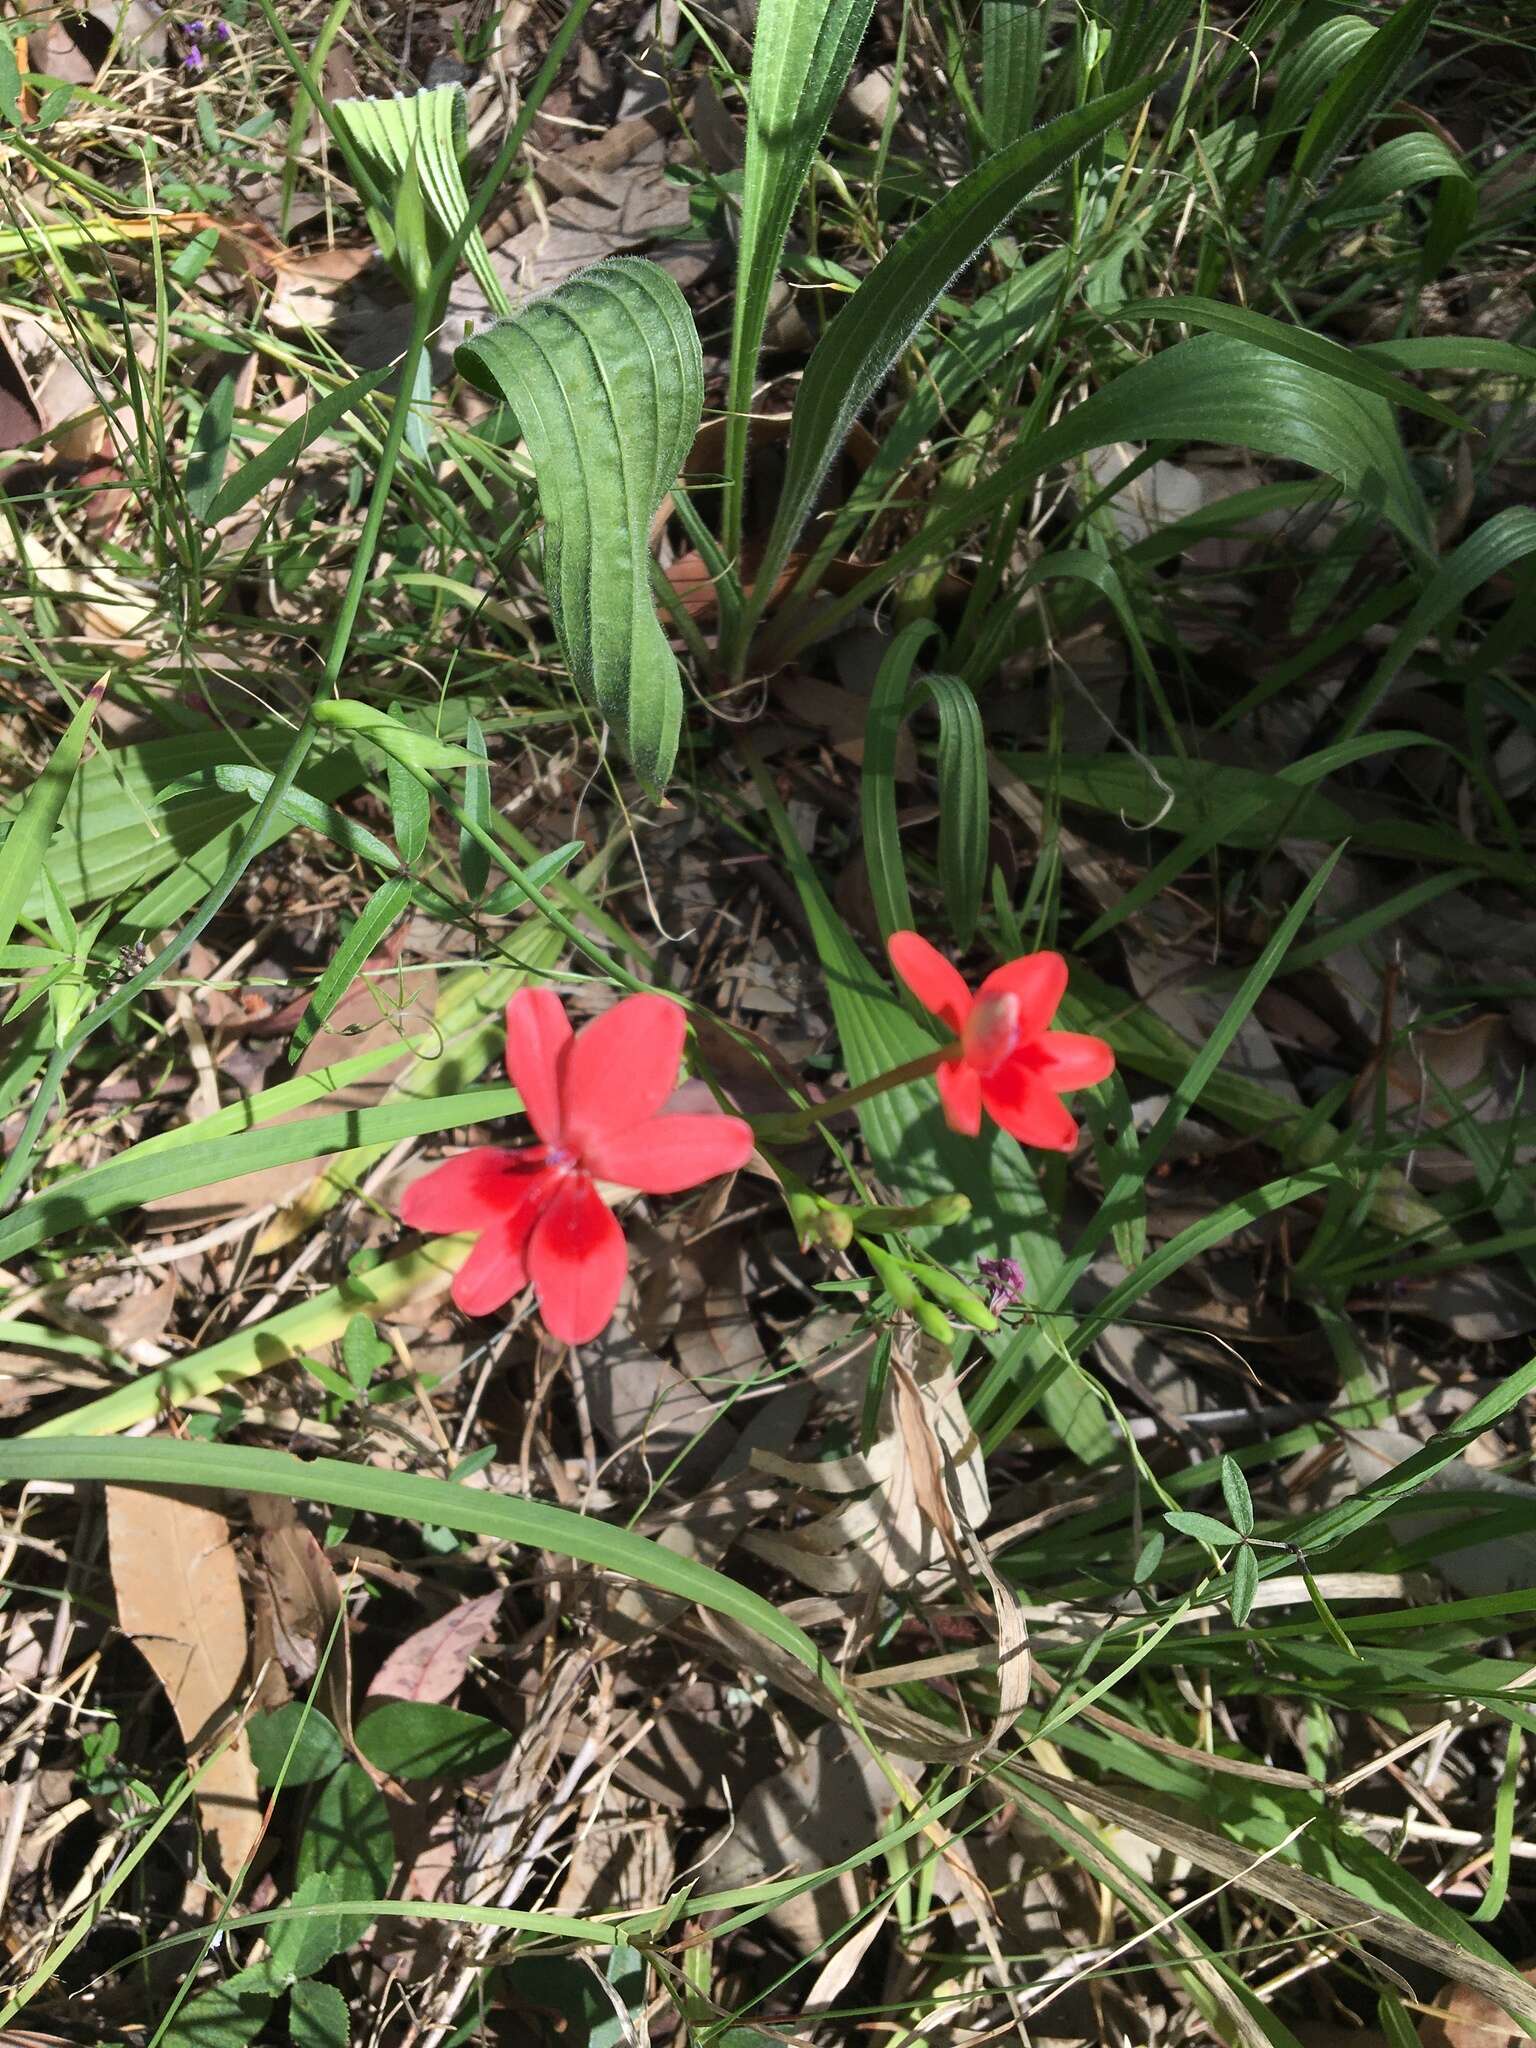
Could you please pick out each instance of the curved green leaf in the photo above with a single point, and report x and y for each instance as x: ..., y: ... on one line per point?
x: 606, y: 378
x: 1211, y: 388
x: 413, y: 150
x: 1403, y: 164
x: 1360, y: 88
x: 26, y: 843
x: 1298, y: 344
x: 411, y: 1497
x: 801, y: 54
x: 881, y: 317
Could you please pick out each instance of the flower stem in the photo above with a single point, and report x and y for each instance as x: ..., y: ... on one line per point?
x: 782, y: 1129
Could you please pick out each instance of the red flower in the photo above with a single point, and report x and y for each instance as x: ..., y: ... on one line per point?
x: 1004, y: 1059
x: 596, y: 1102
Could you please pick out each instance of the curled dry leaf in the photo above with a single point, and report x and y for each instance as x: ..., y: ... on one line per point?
x: 179, y: 1602
x: 309, y: 1625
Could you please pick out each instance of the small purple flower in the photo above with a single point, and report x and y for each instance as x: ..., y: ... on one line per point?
x: 221, y: 31
x: 194, y: 61
x: 194, y: 30
x: 1006, y: 1279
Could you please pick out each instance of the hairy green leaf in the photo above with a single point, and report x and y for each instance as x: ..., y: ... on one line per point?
x: 606, y: 379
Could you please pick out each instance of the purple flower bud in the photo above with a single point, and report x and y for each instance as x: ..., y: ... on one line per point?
x: 194, y: 60
x: 221, y: 31
x: 1006, y: 1279
x: 194, y: 30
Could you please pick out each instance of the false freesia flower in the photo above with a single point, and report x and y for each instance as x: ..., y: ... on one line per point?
x: 598, y: 1103
x: 1004, y: 1059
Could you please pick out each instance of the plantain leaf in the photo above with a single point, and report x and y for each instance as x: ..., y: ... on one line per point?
x: 802, y: 51
x: 1402, y: 164
x: 1297, y: 343
x: 413, y: 150
x: 606, y: 379
x: 875, y: 325
x: 1012, y: 54
x: 1365, y: 84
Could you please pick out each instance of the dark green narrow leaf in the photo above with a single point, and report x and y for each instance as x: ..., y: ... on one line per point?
x: 877, y: 783
x: 210, y: 450
x: 1364, y: 86
x: 25, y: 845
x: 410, y: 812
x: 1012, y: 54
x: 379, y: 914
x: 1245, y: 1585
x: 606, y: 379
x: 962, y: 802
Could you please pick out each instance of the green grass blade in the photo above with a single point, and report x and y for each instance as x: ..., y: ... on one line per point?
x: 285, y: 448
x: 380, y: 912
x: 878, y: 321
x: 606, y: 378
x: 411, y: 1497
x: 24, y: 849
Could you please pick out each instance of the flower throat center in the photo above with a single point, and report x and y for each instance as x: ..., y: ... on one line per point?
x: 991, y: 1032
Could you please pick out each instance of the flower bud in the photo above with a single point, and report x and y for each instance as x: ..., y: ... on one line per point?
x: 928, y: 1318
x: 957, y: 1298
x: 893, y: 1277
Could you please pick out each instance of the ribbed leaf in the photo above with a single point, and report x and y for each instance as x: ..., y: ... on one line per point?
x: 1012, y: 53
x: 1364, y: 85
x: 801, y: 54
x: 857, y: 350
x: 1297, y: 344
x: 414, y: 152
x: 606, y: 379
x: 1212, y: 388
x: 1403, y: 164
x: 25, y: 846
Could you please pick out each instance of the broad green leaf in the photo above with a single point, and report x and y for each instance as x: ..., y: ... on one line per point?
x: 606, y: 379
x: 125, y: 1182
x: 317, y: 2017
x: 1012, y: 56
x: 1470, y: 352
x: 1403, y: 164
x: 114, y: 833
x: 802, y: 51
x: 285, y: 448
x: 293, y: 1745
x: 419, y: 143
x: 1298, y: 344
x: 227, y: 2015
x: 1310, y: 68
x: 1210, y: 388
x: 302, y: 1946
x: 422, y: 1739
x: 347, y: 1837
x: 209, y: 455
x: 26, y: 848
x: 1204, y: 1528
x: 1365, y: 84
x: 355, y: 950
x: 870, y: 331
x: 410, y: 1497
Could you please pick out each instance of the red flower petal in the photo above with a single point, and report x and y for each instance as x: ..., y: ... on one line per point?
x: 538, y: 1033
x: 472, y: 1191
x: 1027, y: 1109
x: 576, y: 1260
x: 1039, y: 981
x: 1071, y: 1059
x: 669, y: 1152
x: 496, y: 1269
x: 960, y: 1093
x: 620, y: 1068
x: 937, y: 984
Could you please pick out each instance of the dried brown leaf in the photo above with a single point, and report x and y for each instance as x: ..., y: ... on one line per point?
x: 179, y: 1602
x: 309, y: 1625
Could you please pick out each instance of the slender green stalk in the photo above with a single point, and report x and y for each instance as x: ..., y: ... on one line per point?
x: 784, y: 1129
